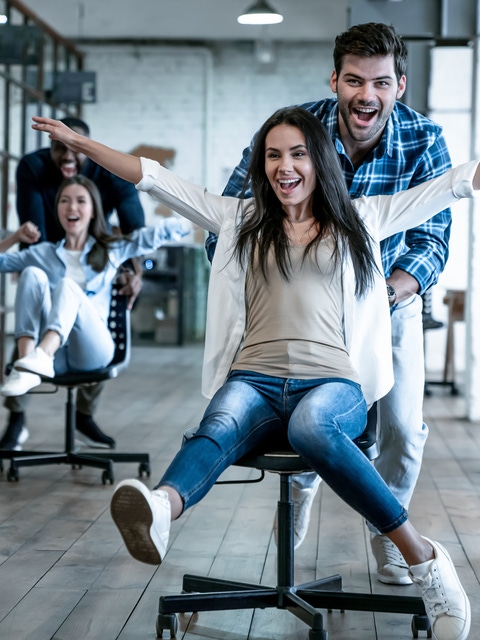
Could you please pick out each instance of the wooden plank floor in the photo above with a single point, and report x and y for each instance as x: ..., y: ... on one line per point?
x: 64, y: 572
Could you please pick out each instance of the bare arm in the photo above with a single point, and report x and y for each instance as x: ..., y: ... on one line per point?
x: 27, y: 233
x: 121, y: 164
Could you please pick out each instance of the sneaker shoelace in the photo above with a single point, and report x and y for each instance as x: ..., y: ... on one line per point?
x: 434, y: 597
x: 392, y: 554
x: 300, y: 499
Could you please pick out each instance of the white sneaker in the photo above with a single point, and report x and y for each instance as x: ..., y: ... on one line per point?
x: 302, y: 507
x: 18, y: 383
x: 391, y: 566
x: 143, y: 519
x: 22, y: 438
x: 37, y: 362
x: 445, y: 600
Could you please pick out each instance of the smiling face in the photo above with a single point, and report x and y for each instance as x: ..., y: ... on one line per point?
x: 75, y: 211
x: 66, y: 160
x: 367, y: 89
x: 289, y: 169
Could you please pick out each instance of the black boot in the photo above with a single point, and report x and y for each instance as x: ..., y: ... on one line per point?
x: 90, y: 434
x: 16, y: 433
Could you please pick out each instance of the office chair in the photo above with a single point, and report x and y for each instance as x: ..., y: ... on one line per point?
x: 119, y: 325
x: 304, y: 600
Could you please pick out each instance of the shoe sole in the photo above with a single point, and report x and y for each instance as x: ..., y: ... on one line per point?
x: 133, y: 517
x: 93, y: 444
x: 15, y: 394
x: 401, y: 582
x: 43, y: 376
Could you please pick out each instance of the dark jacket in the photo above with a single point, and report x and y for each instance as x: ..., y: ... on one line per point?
x: 38, y: 180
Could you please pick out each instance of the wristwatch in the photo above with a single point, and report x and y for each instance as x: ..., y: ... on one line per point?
x: 392, y: 295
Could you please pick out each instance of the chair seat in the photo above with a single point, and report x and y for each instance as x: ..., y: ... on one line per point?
x: 275, y: 461
x: 79, y: 378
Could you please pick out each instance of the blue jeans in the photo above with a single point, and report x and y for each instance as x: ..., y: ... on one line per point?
x: 401, y: 431
x: 86, y: 342
x: 318, y: 418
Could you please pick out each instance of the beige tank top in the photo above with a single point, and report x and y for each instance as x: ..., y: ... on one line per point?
x: 294, y: 328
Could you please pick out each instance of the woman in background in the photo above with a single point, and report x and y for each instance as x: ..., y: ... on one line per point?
x: 64, y: 290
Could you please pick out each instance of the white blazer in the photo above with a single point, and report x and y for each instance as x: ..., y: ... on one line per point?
x: 366, y: 320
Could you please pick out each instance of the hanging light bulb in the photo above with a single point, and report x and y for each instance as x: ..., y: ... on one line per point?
x: 260, y: 13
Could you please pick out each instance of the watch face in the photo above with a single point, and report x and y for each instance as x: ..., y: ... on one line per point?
x: 391, y: 294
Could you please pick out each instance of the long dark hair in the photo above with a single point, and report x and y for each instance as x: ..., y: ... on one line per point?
x: 97, y: 257
x: 262, y: 226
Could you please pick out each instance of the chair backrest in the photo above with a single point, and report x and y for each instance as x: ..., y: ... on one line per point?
x: 119, y: 325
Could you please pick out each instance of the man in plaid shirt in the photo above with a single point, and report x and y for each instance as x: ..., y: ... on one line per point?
x: 383, y: 147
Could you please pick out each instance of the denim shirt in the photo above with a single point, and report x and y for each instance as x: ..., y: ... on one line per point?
x: 51, y: 258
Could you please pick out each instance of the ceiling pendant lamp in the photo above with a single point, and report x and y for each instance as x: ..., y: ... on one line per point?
x: 260, y: 13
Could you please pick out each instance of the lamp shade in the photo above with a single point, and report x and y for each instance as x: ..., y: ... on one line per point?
x: 260, y: 13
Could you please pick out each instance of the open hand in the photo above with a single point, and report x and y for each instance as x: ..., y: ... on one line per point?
x: 57, y: 131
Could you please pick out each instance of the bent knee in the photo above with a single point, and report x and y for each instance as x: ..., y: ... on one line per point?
x: 33, y: 274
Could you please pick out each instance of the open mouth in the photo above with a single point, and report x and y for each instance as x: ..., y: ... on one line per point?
x: 68, y: 169
x: 73, y: 219
x: 289, y: 185
x: 364, y: 114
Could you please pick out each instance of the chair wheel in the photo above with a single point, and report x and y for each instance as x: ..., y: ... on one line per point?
x: 167, y: 621
x: 421, y: 623
x: 107, y: 476
x: 12, y: 474
x: 144, y: 468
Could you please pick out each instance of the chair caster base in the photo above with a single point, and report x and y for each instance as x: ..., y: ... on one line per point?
x: 144, y: 468
x: 107, y: 476
x: 12, y: 473
x: 169, y: 622
x: 421, y: 623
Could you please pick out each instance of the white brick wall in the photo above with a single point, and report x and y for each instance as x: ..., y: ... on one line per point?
x: 203, y: 102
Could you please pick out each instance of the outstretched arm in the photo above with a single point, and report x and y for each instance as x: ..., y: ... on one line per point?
x: 27, y: 233
x: 121, y: 164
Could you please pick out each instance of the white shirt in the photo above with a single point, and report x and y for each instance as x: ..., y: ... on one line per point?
x: 74, y: 268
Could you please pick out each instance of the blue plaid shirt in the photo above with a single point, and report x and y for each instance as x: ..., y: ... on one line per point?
x: 411, y: 151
